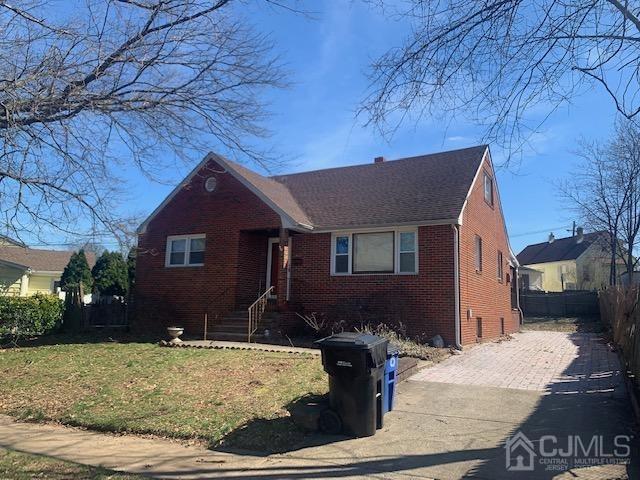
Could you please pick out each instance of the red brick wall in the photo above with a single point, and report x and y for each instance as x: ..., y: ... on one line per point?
x: 489, y: 299
x: 181, y: 295
x: 237, y: 225
x: 425, y: 300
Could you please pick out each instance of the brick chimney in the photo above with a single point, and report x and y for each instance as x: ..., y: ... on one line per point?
x: 378, y: 160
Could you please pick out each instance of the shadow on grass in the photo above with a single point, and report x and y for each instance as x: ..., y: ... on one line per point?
x: 293, y: 432
x: 94, y: 337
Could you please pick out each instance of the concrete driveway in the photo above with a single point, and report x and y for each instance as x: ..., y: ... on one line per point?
x: 559, y: 390
x: 452, y: 420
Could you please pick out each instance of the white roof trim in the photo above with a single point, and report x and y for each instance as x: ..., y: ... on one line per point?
x: 486, y: 154
x: 285, y: 218
x: 351, y: 228
x: 143, y: 226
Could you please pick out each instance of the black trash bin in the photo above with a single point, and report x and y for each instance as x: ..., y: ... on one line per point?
x: 355, y: 364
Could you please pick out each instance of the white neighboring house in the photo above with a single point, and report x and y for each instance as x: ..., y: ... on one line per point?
x: 26, y: 271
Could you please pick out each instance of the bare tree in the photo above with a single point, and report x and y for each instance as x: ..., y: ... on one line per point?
x: 88, y: 89
x: 508, y: 64
x: 605, y: 192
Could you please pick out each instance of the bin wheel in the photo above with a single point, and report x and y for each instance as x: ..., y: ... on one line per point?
x: 330, y: 422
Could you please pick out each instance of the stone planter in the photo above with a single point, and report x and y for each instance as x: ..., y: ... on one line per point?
x: 174, y: 333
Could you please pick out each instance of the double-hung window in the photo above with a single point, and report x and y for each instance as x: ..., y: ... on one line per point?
x: 389, y: 251
x: 185, y: 250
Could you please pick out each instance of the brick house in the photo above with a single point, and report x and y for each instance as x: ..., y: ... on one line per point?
x: 420, y: 241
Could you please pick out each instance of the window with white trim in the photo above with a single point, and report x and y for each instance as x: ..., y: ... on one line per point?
x: 375, y: 252
x: 478, y: 253
x: 185, y: 250
x: 407, y: 252
x: 342, y: 247
x: 488, y: 189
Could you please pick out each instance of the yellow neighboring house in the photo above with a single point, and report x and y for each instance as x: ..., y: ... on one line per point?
x: 25, y: 271
x: 580, y: 262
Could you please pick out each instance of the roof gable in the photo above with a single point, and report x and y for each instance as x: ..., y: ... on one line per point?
x: 416, y: 190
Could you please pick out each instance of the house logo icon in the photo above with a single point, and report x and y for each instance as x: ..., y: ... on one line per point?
x: 519, y: 453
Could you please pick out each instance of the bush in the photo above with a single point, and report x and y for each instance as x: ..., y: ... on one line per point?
x: 110, y: 274
x: 36, y: 315
x: 407, y: 346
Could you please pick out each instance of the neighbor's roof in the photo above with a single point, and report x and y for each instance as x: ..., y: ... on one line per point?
x: 561, y: 249
x: 39, y: 260
x: 4, y: 240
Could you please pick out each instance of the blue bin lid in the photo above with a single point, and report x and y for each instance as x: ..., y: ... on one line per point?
x: 392, y: 349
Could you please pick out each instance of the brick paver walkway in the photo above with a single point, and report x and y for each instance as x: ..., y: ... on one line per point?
x: 551, y: 362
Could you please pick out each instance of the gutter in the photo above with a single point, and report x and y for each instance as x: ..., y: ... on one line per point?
x: 456, y: 284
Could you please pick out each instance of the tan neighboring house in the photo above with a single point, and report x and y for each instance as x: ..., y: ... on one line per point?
x: 580, y: 262
x: 26, y: 271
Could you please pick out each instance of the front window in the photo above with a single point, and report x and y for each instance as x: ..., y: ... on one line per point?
x: 185, y: 250
x: 375, y: 252
x: 407, y: 252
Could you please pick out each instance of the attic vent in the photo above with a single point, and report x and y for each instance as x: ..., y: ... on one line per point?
x: 378, y: 160
x: 210, y: 184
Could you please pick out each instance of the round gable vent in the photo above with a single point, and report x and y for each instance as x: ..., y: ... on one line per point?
x: 210, y: 184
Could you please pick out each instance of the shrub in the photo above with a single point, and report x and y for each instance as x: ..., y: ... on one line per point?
x: 110, y: 274
x: 408, y: 347
x: 77, y: 273
x: 36, y: 315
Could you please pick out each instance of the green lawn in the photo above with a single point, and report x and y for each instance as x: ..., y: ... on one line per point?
x: 22, y: 466
x: 143, y: 388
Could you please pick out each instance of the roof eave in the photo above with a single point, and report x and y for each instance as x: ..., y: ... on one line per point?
x: 417, y: 223
x: 14, y: 265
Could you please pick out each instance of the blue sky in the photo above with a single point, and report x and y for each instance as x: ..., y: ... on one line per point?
x: 314, y: 121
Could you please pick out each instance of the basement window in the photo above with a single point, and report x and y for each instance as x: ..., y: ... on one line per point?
x: 185, y: 250
x: 375, y: 252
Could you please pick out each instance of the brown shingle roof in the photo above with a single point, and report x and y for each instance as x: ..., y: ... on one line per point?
x: 424, y: 189
x: 427, y: 188
x: 40, y: 260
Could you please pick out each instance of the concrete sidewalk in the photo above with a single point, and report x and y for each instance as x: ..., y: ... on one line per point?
x: 154, y: 457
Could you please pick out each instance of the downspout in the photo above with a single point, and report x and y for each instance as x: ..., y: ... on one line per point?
x: 456, y: 283
x: 517, y: 280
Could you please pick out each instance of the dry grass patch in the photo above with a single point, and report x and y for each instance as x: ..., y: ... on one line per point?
x: 23, y: 466
x: 142, y: 388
